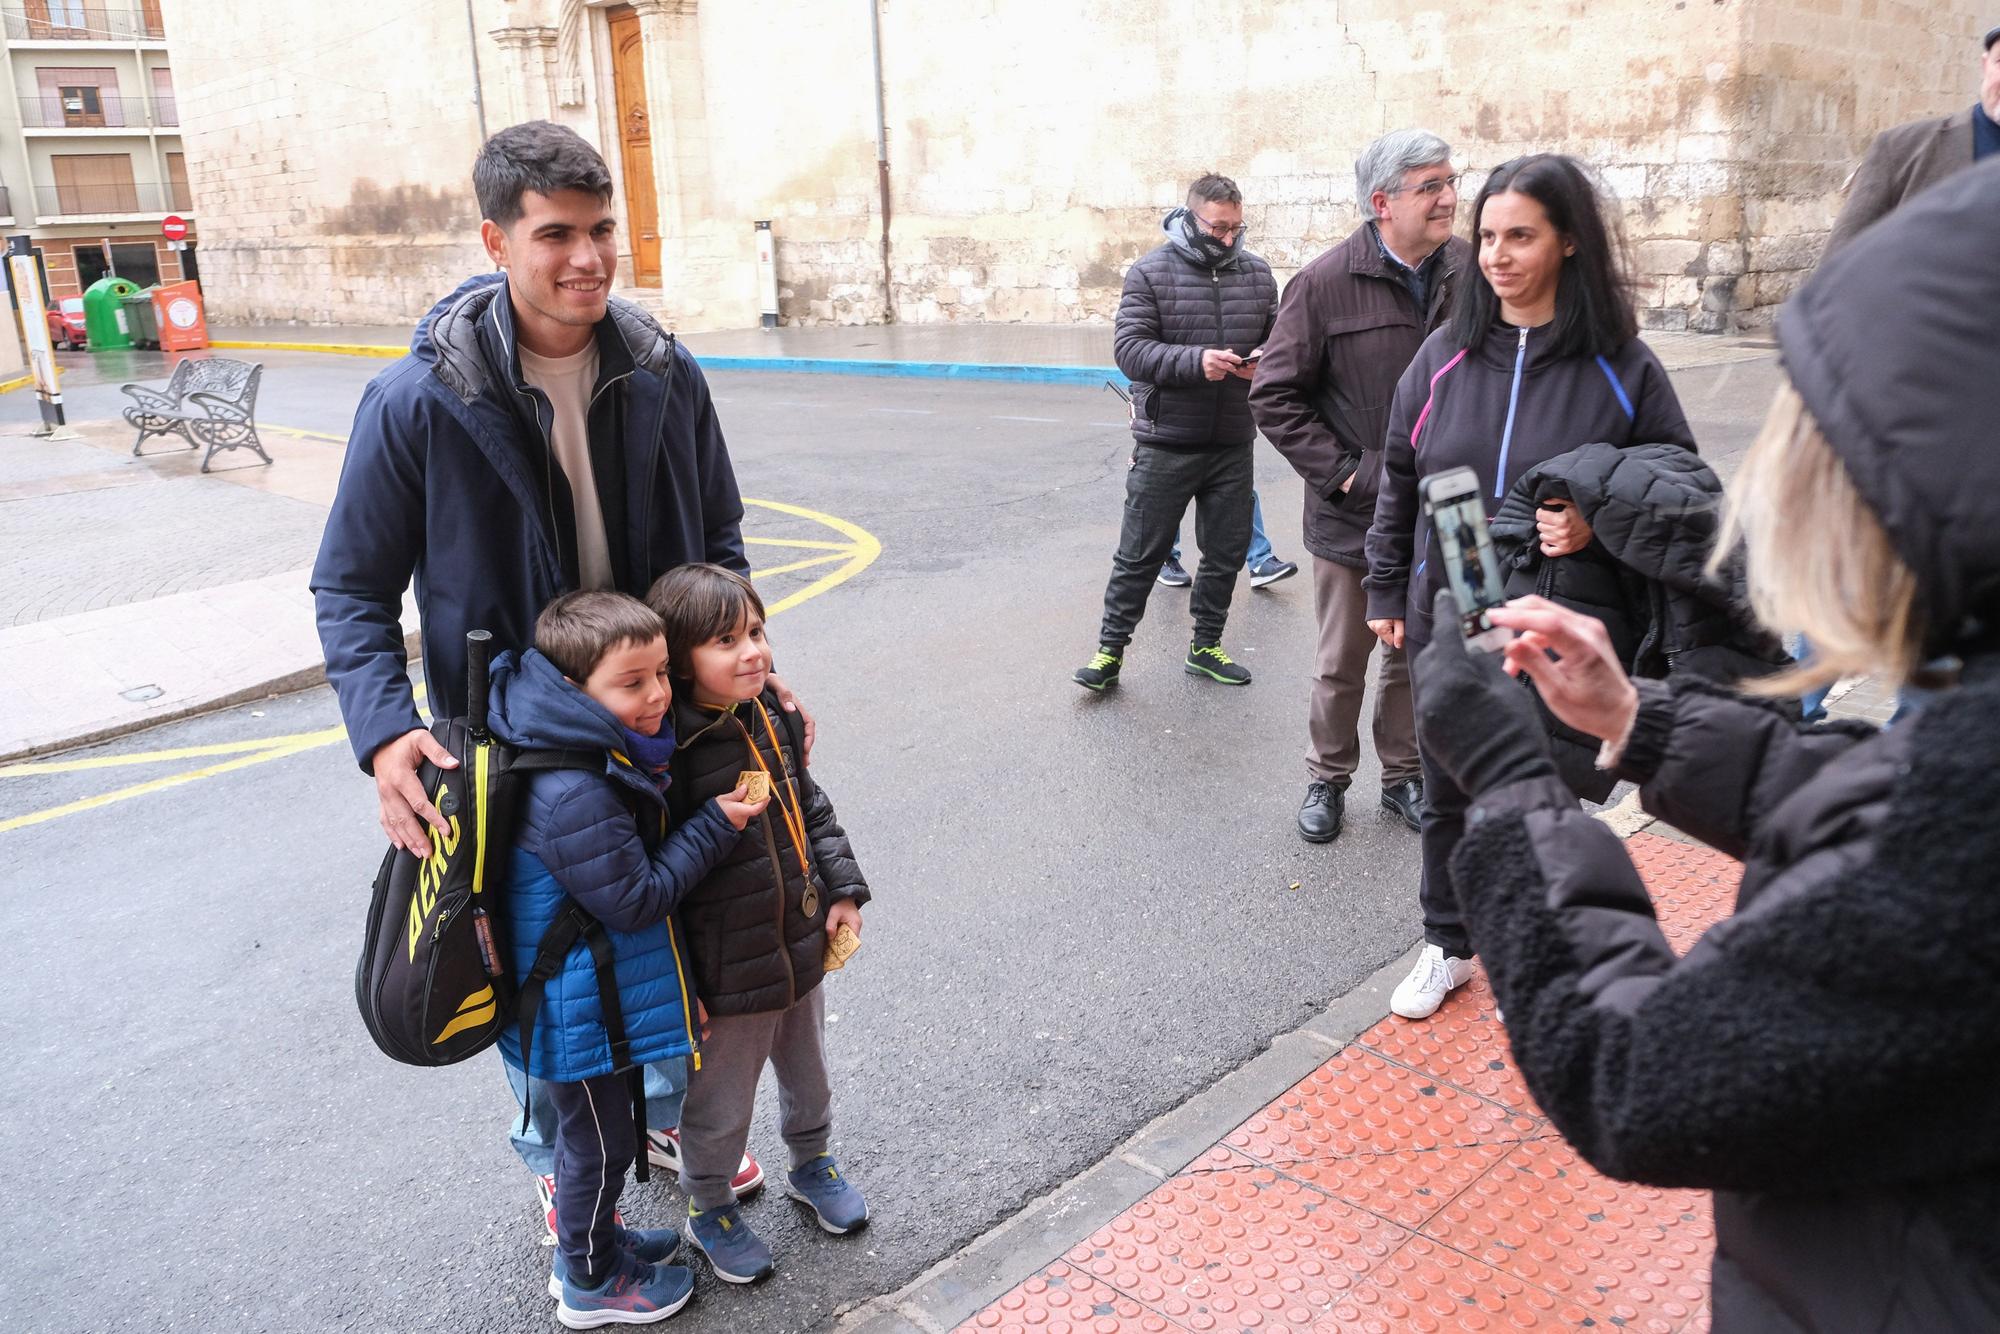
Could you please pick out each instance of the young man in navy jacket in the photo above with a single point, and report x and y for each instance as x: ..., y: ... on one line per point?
x: 540, y: 437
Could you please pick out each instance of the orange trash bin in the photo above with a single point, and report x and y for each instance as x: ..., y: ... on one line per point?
x: 183, y: 323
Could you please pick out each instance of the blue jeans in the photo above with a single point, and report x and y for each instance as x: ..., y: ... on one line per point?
x: 666, y: 1081
x: 1811, y: 706
x: 1260, y: 545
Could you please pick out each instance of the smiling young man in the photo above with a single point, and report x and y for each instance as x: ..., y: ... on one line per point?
x: 540, y: 437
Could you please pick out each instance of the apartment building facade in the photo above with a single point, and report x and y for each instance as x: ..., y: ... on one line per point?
x: 90, y: 157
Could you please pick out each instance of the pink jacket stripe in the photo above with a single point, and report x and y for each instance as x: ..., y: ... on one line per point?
x: 1418, y: 429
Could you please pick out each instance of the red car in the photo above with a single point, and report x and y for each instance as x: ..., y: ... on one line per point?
x: 66, y: 323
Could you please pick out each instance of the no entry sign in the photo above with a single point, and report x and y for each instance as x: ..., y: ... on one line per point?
x: 174, y: 228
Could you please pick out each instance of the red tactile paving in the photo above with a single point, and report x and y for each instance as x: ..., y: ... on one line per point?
x: 1238, y: 1248
x: 1358, y: 1103
x: 1547, y: 1218
x: 1462, y: 1045
x: 1425, y: 1286
x: 1061, y: 1301
x: 1410, y: 1183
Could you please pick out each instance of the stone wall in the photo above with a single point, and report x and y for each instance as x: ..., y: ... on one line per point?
x: 1035, y: 144
x: 331, y: 169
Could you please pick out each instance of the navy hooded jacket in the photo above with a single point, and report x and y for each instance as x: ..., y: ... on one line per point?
x: 449, y: 478
x: 596, y: 838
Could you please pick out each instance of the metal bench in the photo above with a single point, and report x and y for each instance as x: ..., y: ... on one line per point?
x: 212, y: 402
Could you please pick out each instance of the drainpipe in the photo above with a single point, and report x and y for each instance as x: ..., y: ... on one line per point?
x: 882, y: 160
x: 478, y: 95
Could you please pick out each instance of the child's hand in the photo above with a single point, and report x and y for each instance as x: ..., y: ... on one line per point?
x: 738, y: 811
x: 701, y: 1018
x: 843, y: 912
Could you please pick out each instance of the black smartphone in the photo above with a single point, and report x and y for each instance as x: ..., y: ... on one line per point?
x: 1471, y: 567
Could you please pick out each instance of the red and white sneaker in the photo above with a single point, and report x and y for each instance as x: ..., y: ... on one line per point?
x: 663, y: 1150
x: 545, y: 1191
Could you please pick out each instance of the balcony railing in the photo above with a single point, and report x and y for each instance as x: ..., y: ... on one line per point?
x: 76, y: 21
x: 92, y: 109
x: 68, y: 201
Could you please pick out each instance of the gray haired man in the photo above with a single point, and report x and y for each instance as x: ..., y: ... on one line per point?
x: 1347, y: 329
x: 1906, y: 160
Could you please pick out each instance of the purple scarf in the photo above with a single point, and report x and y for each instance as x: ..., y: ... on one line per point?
x: 651, y: 754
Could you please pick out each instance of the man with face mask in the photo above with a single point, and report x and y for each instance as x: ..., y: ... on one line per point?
x: 1192, y: 311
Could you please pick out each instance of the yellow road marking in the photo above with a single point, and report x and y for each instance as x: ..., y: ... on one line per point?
x: 866, y: 547
x: 800, y: 565
x: 858, y: 553
x: 796, y: 542
x: 28, y: 768
x: 304, y: 433
x: 276, y: 752
x: 18, y: 382
x: 383, y: 350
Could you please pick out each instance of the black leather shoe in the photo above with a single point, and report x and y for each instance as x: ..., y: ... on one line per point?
x: 1407, y: 800
x: 1319, y: 817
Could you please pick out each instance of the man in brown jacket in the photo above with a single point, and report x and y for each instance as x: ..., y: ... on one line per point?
x: 1347, y: 328
x: 1908, y: 159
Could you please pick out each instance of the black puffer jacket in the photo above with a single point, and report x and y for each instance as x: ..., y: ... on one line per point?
x: 1173, y: 309
x: 1827, y: 1058
x: 755, y: 946
x: 1653, y: 511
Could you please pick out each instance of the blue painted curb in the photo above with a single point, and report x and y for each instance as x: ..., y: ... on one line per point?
x: 920, y: 370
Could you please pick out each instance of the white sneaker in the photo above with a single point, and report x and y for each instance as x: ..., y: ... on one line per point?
x: 663, y: 1150
x: 1435, y: 977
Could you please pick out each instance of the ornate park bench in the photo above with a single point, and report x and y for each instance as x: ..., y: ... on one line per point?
x: 210, y: 402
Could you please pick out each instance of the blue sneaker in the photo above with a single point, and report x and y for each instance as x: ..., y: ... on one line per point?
x: 834, y: 1200
x: 732, y: 1249
x: 634, y: 1294
x: 653, y: 1246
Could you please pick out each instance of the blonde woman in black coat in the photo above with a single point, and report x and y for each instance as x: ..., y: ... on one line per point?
x: 1827, y: 1059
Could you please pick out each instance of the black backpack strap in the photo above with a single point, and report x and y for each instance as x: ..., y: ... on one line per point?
x: 528, y: 761
x: 613, y: 1011
x: 549, y: 955
x: 571, y: 925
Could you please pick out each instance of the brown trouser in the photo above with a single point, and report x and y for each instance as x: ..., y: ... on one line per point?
x: 1341, y: 676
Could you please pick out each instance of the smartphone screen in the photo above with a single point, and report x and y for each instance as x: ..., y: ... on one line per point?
x: 1471, y: 566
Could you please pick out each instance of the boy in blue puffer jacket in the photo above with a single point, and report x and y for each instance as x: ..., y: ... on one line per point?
x: 596, y: 681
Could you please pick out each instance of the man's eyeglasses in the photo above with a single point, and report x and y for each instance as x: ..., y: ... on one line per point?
x: 1220, y: 232
x: 1432, y: 189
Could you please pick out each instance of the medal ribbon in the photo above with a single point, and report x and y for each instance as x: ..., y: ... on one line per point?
x: 795, y: 820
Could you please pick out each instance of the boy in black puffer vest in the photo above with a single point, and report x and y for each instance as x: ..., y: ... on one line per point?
x: 758, y: 925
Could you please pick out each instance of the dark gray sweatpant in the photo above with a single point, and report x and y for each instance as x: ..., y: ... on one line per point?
x: 715, y: 1116
x: 1158, y: 488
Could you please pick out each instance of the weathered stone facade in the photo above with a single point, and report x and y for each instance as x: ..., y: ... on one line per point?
x: 1033, y: 144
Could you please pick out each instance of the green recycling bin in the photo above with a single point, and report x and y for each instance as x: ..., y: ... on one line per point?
x: 104, y: 315
x: 142, y: 320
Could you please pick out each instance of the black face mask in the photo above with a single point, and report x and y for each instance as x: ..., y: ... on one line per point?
x: 1196, y: 242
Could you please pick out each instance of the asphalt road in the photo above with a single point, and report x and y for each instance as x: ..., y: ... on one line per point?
x: 1085, y: 911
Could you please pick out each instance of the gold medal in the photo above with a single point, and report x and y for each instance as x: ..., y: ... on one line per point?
x: 809, y: 905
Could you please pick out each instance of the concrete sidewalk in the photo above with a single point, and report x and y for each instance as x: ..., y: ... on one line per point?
x: 138, y: 590
x: 1402, y: 1180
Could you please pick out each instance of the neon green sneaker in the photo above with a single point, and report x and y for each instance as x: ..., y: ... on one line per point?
x: 1209, y: 660
x: 1101, y: 672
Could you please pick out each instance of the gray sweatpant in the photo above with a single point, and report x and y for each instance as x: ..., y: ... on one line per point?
x: 715, y: 1116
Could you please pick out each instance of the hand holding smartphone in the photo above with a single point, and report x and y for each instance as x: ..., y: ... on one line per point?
x: 1471, y: 566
